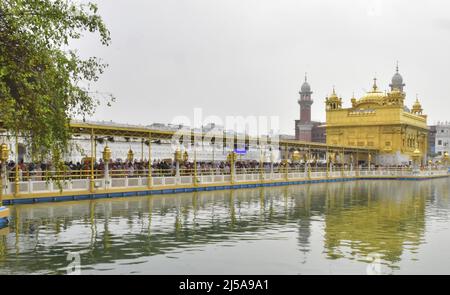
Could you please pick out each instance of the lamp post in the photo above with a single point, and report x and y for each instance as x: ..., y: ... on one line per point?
x: 231, y: 158
x: 4, y: 155
x: 4, y: 212
x: 445, y: 158
x: 106, y: 157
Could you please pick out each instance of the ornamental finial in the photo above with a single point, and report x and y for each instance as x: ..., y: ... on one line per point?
x: 375, y: 87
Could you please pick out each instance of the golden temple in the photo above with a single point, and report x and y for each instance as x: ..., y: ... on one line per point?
x: 379, y: 120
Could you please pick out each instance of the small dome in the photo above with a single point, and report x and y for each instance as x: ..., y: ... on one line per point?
x: 397, y: 79
x: 417, y: 104
x: 305, y: 86
x: 333, y: 95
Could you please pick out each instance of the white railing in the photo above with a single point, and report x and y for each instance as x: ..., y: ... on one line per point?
x: 141, y: 182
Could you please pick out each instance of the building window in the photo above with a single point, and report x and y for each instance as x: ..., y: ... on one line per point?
x: 439, y: 142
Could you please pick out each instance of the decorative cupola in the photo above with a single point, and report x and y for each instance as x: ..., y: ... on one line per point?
x: 353, y: 100
x: 333, y: 102
x: 417, y: 108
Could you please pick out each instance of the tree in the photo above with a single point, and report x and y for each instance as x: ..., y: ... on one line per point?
x: 44, y: 83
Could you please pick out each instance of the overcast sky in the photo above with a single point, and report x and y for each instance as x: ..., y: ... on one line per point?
x: 248, y: 57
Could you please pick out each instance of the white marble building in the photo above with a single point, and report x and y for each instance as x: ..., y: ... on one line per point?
x: 442, y: 143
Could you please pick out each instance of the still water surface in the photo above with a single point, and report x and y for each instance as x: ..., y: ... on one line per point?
x: 389, y: 227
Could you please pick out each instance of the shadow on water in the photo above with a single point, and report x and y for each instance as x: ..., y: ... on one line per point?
x: 354, y: 219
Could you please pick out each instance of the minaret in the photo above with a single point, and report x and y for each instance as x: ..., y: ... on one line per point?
x: 303, y: 127
x: 305, y: 102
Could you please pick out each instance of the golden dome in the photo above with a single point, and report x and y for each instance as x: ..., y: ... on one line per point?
x: 333, y: 94
x: 374, y: 95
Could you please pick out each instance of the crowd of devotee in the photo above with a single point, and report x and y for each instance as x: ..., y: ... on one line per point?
x: 119, y: 168
x: 140, y: 168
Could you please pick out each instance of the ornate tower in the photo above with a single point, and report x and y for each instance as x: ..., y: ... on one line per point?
x: 303, y: 127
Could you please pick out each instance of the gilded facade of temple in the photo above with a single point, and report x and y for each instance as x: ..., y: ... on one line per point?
x: 380, y: 120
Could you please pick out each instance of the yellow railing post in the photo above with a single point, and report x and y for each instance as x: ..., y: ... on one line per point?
x: 260, y: 165
x: 16, y: 178
x: 142, y: 149
x: 1, y: 185
x: 327, y: 156
x: 195, y: 166
x: 149, y: 184
x: 4, y: 155
x: 309, y: 162
x: 357, y: 163
x: 91, y: 183
x: 232, y: 169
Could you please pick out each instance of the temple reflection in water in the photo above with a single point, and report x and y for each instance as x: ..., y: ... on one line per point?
x: 352, y: 219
